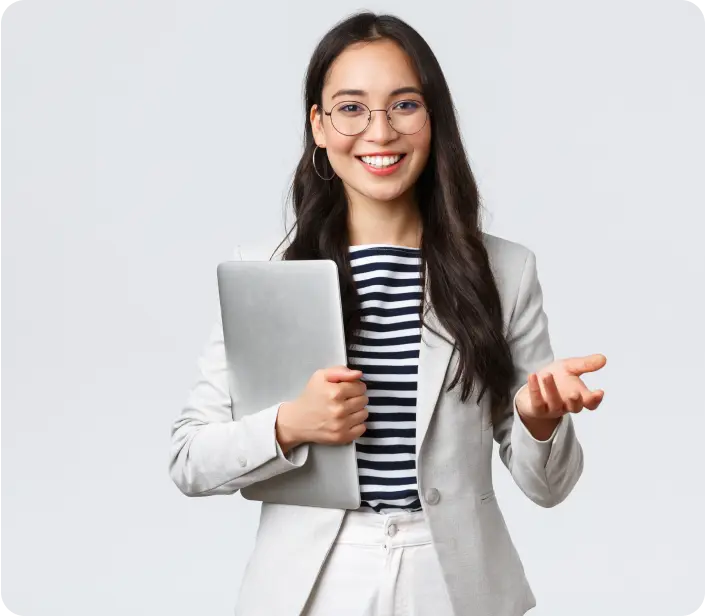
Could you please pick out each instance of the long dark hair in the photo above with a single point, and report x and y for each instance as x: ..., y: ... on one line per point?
x: 462, y: 288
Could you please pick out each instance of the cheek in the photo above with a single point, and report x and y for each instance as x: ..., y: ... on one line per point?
x: 422, y: 145
x: 340, y: 146
x: 339, y: 151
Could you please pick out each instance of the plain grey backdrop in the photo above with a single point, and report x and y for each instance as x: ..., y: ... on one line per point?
x: 143, y: 140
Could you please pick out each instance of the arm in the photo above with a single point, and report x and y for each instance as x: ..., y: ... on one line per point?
x: 545, y: 470
x: 210, y: 452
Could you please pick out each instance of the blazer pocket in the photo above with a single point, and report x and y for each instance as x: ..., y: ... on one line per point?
x: 487, y: 497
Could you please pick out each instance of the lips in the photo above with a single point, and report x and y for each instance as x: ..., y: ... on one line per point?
x: 382, y: 160
x: 382, y: 171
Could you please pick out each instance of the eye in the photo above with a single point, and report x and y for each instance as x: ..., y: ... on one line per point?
x: 406, y: 106
x: 349, y: 108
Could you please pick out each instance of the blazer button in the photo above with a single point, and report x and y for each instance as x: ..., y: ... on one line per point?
x: 242, y: 460
x: 432, y: 496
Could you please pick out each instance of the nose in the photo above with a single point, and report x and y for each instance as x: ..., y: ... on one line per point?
x: 379, y: 128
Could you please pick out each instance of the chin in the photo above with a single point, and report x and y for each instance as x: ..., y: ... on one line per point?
x: 382, y: 193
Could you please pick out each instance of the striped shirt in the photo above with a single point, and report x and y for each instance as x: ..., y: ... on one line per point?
x: 388, y: 283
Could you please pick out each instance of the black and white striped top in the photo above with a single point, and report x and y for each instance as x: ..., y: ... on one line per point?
x: 387, y: 351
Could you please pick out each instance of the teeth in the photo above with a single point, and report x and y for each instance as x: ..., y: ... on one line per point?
x: 381, y: 161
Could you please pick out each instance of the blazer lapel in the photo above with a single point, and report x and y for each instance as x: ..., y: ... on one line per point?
x: 434, y: 357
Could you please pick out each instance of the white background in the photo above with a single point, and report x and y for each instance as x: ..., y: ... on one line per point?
x: 143, y: 140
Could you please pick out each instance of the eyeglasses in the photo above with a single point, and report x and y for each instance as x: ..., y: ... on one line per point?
x: 352, y: 117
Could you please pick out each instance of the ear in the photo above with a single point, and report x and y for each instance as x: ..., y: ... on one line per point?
x: 319, y: 135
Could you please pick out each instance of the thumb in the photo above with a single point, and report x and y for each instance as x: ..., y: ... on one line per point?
x: 336, y: 374
x: 589, y: 363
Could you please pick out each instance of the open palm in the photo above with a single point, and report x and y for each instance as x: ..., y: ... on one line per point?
x: 557, y: 388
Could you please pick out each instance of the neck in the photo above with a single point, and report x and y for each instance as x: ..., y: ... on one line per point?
x: 397, y: 221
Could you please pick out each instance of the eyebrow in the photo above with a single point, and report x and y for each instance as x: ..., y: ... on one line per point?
x: 404, y: 90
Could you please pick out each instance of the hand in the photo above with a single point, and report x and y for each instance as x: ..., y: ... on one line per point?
x: 557, y: 389
x: 331, y: 410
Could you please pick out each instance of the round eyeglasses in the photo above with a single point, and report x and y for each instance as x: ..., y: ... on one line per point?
x: 352, y: 117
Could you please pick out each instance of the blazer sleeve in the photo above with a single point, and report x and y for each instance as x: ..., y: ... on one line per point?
x: 210, y: 452
x: 546, y: 471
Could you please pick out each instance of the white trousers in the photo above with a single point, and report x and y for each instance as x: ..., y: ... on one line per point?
x: 381, y: 565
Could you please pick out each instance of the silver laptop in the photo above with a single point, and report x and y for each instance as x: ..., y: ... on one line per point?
x: 282, y: 321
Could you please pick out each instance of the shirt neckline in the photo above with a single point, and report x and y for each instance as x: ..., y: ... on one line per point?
x: 363, y: 246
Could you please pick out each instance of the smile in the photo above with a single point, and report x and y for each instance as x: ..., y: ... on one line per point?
x: 382, y: 165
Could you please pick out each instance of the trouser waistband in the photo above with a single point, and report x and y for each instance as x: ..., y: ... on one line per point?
x: 403, y: 528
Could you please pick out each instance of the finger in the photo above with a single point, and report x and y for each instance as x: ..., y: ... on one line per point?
x: 580, y: 365
x: 551, y: 393
x: 357, y: 431
x: 585, y: 393
x: 341, y: 373
x: 595, y: 399
x: 357, y: 418
x: 574, y: 401
x: 590, y: 399
x: 355, y: 404
x: 352, y: 389
x: 535, y: 396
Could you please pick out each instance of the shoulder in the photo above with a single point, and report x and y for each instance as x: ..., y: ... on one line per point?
x: 513, y: 266
x: 507, y: 258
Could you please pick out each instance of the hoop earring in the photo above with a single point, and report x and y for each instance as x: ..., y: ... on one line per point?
x: 316, y: 170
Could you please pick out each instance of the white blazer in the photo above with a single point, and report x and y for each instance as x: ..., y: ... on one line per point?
x: 213, y: 454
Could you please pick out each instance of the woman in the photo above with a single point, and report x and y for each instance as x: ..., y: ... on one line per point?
x: 384, y: 188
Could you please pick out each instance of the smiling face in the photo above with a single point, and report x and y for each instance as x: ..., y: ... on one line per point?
x: 379, y: 75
